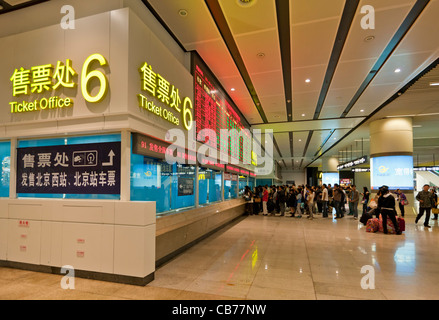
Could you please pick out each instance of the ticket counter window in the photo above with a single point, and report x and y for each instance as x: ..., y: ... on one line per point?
x: 242, y: 184
x: 171, y: 186
x: 227, y: 186
x: 251, y: 183
x: 234, y: 187
x: 209, y: 186
x: 5, y: 157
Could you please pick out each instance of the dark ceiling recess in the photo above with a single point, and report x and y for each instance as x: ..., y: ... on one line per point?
x: 6, y: 7
x: 411, y: 18
x: 223, y: 27
x: 283, y: 23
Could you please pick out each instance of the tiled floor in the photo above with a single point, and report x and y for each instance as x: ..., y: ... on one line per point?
x: 272, y: 258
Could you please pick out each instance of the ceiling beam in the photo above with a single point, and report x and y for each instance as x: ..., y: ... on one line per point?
x: 283, y: 26
x: 340, y: 40
x: 8, y: 8
x: 310, y: 125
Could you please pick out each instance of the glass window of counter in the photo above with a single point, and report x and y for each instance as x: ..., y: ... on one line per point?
x: 171, y: 186
x: 5, y: 157
x: 209, y: 186
x: 242, y: 184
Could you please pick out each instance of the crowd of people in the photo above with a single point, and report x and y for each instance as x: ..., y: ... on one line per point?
x: 297, y: 201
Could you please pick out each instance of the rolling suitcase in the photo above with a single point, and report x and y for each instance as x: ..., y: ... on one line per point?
x: 401, y: 222
x: 372, y: 225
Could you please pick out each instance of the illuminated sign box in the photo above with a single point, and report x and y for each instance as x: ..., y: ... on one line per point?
x: 215, y: 111
x: 330, y: 178
x: 396, y: 172
x: 352, y: 163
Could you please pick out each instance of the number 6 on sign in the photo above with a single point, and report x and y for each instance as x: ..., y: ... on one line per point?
x: 87, y: 76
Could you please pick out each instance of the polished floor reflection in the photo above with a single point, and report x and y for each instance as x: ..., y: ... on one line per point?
x: 273, y: 258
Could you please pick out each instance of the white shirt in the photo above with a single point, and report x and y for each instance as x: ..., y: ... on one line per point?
x: 325, y: 196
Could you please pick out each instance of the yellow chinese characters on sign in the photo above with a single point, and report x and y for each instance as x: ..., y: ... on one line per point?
x: 46, y: 78
x: 161, y: 89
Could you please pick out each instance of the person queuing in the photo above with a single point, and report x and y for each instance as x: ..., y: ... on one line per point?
x: 354, y: 198
x: 281, y: 199
x: 248, y: 196
x: 310, y: 202
x: 386, y: 207
x: 337, y: 194
x: 292, y: 202
x: 426, y: 203
x: 264, y: 201
x: 325, y: 201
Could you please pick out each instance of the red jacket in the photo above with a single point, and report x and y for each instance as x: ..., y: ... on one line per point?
x: 265, y: 196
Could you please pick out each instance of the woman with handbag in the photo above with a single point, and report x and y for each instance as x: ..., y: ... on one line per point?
x: 402, y: 201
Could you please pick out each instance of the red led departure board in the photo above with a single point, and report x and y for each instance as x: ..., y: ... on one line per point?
x: 215, y: 110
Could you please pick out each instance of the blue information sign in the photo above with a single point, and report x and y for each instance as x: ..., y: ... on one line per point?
x: 69, y: 169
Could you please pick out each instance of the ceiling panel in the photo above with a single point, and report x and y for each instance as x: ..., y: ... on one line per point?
x: 283, y: 141
x: 386, y: 23
x: 304, y: 12
x: 260, y: 51
x: 249, y: 18
x: 196, y: 26
x: 299, y: 142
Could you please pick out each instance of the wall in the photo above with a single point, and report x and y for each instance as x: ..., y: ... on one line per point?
x: 362, y: 179
x: 298, y: 176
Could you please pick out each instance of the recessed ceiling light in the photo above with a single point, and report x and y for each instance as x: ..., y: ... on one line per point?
x: 433, y: 84
x: 233, y: 89
x: 397, y: 70
x: 300, y: 140
x: 308, y: 80
x: 303, y: 114
x: 246, y: 3
x: 183, y: 13
x: 361, y: 110
x: 369, y: 38
x: 261, y: 55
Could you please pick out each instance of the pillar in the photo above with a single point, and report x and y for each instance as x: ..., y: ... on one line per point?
x: 330, y: 173
x: 391, y: 156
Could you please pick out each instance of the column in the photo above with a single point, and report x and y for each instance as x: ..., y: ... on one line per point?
x: 330, y: 173
x: 391, y: 156
x: 197, y: 187
x: 125, y: 174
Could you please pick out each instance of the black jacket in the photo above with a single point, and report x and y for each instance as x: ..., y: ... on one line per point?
x: 386, y: 201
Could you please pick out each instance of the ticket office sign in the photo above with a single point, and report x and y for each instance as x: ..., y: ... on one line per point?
x: 70, y: 169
